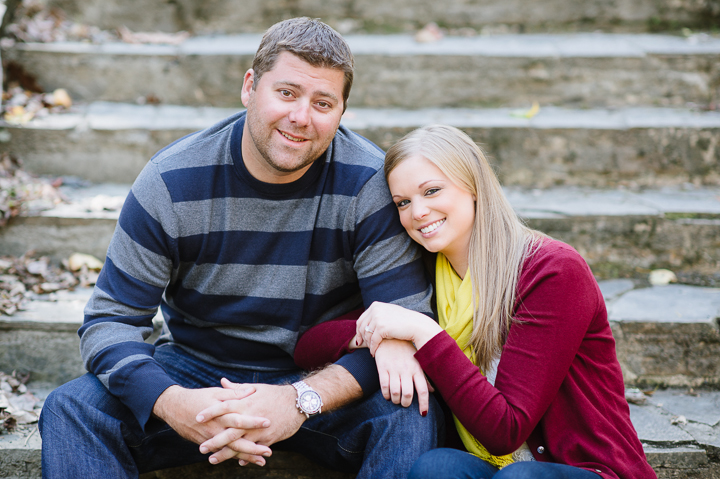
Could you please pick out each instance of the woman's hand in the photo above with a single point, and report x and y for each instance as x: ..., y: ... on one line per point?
x: 400, y: 373
x: 388, y: 321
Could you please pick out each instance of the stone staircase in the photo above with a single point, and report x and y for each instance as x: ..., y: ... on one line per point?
x: 622, y: 161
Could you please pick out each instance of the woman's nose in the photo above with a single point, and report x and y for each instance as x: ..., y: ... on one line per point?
x: 419, y: 210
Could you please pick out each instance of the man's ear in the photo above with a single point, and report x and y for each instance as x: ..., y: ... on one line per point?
x: 248, y: 82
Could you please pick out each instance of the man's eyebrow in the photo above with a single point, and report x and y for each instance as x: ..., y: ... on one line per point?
x: 300, y: 87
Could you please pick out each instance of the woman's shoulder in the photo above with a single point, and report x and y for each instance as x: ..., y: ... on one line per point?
x: 553, y: 257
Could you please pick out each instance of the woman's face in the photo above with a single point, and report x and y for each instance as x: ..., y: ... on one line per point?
x: 436, y: 212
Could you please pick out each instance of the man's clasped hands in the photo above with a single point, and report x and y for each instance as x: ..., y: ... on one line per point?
x: 236, y: 420
x: 240, y: 421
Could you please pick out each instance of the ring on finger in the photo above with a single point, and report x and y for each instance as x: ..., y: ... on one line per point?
x: 368, y: 330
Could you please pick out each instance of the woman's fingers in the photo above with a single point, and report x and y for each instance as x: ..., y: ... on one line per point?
x: 407, y: 390
x: 395, y: 388
x: 422, y: 388
x: 384, y: 377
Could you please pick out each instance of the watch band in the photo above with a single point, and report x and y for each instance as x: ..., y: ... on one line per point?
x: 308, y: 400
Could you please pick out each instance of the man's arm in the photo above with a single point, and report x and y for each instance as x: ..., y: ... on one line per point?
x: 118, y: 316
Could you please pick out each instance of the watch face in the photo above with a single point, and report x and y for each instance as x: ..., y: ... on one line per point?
x: 310, y: 402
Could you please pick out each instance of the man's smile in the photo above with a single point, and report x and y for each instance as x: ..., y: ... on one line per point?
x: 292, y: 138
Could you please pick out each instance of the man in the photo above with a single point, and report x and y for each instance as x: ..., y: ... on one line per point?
x: 246, y: 234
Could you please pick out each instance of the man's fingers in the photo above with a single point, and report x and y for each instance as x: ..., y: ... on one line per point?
x: 219, y: 409
x: 240, y: 390
x: 221, y: 440
x: 242, y: 421
x: 228, y: 452
x: 245, y: 459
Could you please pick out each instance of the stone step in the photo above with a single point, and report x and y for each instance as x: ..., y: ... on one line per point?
x: 678, y: 427
x: 621, y: 232
x: 104, y: 141
x: 379, y: 15
x: 582, y: 70
x: 665, y: 335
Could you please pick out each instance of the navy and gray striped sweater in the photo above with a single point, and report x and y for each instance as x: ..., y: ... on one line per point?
x: 241, y: 268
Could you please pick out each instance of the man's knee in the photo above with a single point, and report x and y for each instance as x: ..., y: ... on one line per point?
x: 80, y: 402
x: 407, y: 422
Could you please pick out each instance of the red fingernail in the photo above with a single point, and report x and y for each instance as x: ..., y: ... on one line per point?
x: 423, y: 414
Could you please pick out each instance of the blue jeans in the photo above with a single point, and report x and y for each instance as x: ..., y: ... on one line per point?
x: 87, y: 432
x: 455, y: 464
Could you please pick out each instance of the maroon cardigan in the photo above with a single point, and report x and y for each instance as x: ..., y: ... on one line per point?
x: 559, y: 385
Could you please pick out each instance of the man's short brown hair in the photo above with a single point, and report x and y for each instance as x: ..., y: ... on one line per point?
x: 309, y: 39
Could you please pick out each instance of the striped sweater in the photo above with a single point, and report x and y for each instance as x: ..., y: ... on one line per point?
x: 241, y: 268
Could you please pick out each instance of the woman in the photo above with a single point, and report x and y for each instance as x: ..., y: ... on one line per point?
x: 523, y: 354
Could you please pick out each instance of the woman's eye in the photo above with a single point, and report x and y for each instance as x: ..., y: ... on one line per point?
x: 431, y: 191
x: 402, y: 203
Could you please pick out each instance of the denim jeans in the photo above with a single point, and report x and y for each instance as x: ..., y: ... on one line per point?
x: 455, y: 464
x: 87, y: 432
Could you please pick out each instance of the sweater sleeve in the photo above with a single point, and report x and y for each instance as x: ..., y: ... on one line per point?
x: 556, y: 302
x: 118, y: 317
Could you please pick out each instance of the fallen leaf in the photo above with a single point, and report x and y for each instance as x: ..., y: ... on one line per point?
x: 16, y: 115
x: 60, y: 97
x: 78, y: 260
x: 635, y: 396
x: 662, y: 277
x: 679, y: 420
x: 429, y: 33
x: 534, y: 110
x: 127, y: 36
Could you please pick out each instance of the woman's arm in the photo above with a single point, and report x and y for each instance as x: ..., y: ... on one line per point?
x: 399, y: 373
x: 558, y: 299
x: 326, y: 342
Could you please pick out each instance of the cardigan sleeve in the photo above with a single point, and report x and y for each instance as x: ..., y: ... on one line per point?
x: 556, y: 302
x: 326, y: 342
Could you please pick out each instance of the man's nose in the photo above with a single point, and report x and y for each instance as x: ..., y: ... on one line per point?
x: 300, y: 115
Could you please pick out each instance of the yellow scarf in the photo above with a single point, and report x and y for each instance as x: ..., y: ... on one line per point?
x: 455, y: 314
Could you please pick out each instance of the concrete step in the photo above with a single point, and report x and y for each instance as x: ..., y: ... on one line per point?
x: 584, y: 70
x: 621, y: 232
x: 104, y: 141
x: 378, y: 15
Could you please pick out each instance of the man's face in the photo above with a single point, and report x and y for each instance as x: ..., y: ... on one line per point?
x: 292, y: 115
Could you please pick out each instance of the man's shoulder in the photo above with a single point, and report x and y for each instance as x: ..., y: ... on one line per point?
x: 206, y: 147
x: 353, y: 149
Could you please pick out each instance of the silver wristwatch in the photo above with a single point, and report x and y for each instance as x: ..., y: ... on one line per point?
x: 308, y: 400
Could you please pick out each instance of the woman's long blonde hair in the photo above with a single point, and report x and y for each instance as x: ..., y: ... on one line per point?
x: 499, y: 242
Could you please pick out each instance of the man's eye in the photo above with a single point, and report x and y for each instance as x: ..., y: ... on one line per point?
x: 402, y: 203
x: 324, y: 104
x: 286, y: 93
